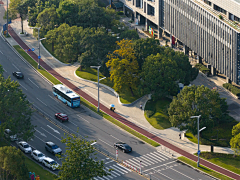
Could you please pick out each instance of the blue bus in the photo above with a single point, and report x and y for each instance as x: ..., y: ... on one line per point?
x: 66, y: 96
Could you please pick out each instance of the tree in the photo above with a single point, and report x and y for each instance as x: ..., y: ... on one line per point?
x: 197, y: 100
x: 124, y: 66
x: 77, y: 163
x: 15, y: 111
x: 146, y: 47
x: 235, y: 141
x: 12, y: 162
x: 129, y: 34
x: 19, y: 7
x: 159, y: 76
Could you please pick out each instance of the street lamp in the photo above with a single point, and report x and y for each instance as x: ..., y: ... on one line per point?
x: 97, y: 67
x: 198, y: 117
x: 7, y: 19
x: 38, y: 28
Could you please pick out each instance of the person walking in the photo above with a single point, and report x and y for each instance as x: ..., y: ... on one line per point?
x: 179, y: 135
x: 141, y: 106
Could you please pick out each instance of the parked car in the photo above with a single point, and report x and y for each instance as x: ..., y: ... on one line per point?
x: 62, y: 117
x: 18, y: 75
x: 123, y: 146
x: 24, y: 146
x: 50, y: 163
x: 8, y: 134
x: 37, y: 155
x: 53, y: 148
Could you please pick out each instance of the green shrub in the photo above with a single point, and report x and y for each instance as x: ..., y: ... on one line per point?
x: 120, y: 13
x: 232, y: 88
x: 149, y: 113
x: 220, y: 17
x: 203, y: 69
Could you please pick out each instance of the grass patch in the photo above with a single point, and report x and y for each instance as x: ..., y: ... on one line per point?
x: 91, y: 74
x: 119, y: 124
x: 204, y: 169
x: 156, y: 113
x: 227, y: 161
x: 217, y: 136
x: 38, y: 170
x: 35, y: 64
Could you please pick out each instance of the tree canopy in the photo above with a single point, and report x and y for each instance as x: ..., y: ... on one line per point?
x: 124, y: 66
x: 78, y: 163
x: 12, y: 163
x: 194, y: 101
x: 15, y: 111
x: 235, y: 141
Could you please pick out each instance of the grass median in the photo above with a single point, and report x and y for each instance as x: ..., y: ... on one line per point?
x: 203, y: 168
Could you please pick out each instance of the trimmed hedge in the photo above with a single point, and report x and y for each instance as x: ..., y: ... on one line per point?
x: 232, y: 88
x: 203, y: 69
x: 120, y: 13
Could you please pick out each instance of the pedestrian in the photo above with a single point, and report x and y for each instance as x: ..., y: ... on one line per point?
x: 141, y: 106
x: 179, y: 135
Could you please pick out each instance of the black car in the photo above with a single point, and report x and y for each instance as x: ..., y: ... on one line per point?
x: 18, y: 75
x: 123, y: 146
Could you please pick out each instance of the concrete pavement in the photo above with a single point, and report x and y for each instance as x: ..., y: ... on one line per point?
x: 131, y: 113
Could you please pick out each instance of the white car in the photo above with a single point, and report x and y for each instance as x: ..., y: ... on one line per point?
x: 50, y: 163
x: 24, y: 146
x: 8, y: 134
x: 37, y: 155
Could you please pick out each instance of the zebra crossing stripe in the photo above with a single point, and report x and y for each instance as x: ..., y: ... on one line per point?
x: 106, y: 177
x: 143, y: 162
x: 152, y: 158
x: 98, y: 178
x: 145, y: 159
x: 114, y: 172
x: 120, y: 168
x: 124, y: 167
x: 110, y: 176
x: 158, y: 157
x: 132, y: 161
x: 158, y: 153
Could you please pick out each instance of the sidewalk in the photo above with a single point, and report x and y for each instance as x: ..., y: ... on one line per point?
x: 131, y: 116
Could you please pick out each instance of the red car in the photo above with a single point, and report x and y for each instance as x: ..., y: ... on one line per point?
x: 62, y: 117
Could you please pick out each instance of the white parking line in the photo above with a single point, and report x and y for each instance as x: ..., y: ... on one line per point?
x: 15, y: 67
x: 83, y: 119
x: 105, y: 142
x: 51, y: 134
x: 32, y: 82
x: 41, y: 102
x: 22, y: 86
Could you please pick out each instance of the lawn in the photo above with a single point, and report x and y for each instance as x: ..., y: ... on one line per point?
x: 217, y: 136
x: 35, y: 64
x: 91, y: 74
x: 227, y: 161
x: 156, y: 113
x: 203, y: 168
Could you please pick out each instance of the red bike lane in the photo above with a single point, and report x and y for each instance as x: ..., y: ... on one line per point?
x: 118, y: 117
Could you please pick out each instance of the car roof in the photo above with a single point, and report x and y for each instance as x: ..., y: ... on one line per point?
x: 48, y: 159
x: 19, y: 72
x: 50, y: 143
x: 23, y: 142
x: 62, y: 114
x: 8, y: 130
x: 37, y: 151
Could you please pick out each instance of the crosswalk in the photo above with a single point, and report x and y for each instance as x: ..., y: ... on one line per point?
x: 147, y: 160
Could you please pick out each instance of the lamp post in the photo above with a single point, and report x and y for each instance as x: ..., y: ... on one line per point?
x: 7, y: 19
x: 198, y: 117
x: 97, y: 67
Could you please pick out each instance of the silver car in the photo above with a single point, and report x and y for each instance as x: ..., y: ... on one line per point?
x: 53, y: 148
x: 37, y: 155
x: 24, y: 146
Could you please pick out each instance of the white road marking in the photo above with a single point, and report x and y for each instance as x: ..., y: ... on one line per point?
x: 4, y: 70
x: 109, y: 162
x: 51, y: 134
x: 42, y: 134
x: 32, y: 82
x: 143, y: 162
x: 22, y: 86
x: 148, y: 156
x: 116, y: 138
x: 117, y: 169
x: 182, y: 174
x: 134, y: 163
x: 56, y: 131
x: 105, y: 142
x: 53, y: 98
x: 113, y: 172
x: 16, y: 67
x: 83, y: 119
x: 41, y: 102
x: 73, y: 123
x: 1, y: 52
x: 159, y: 166
x: 39, y: 138
x: 165, y: 175
x: 124, y: 167
x: 147, y: 160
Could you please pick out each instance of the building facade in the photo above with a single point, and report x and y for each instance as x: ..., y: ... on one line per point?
x: 209, y: 28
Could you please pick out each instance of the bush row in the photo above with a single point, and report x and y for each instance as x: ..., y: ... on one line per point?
x: 203, y: 69
x: 232, y: 88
